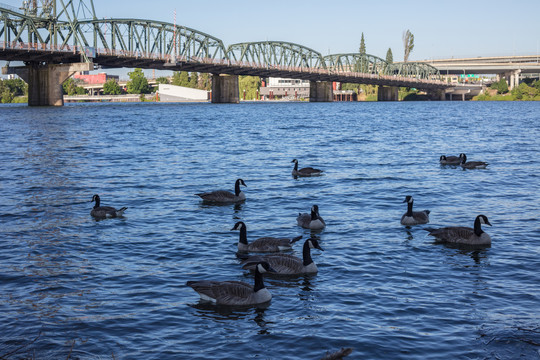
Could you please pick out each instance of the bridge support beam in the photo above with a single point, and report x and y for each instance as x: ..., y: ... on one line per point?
x: 225, y: 89
x: 320, y: 91
x: 388, y: 93
x: 45, y: 81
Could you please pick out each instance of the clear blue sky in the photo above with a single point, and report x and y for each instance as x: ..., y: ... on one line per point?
x: 442, y: 29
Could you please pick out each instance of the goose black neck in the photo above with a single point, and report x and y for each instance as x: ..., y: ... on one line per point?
x: 237, y: 188
x: 314, y: 215
x: 409, y: 208
x: 295, y: 166
x: 306, y: 254
x: 97, y: 202
x: 259, y: 283
x: 478, y: 227
x: 243, y: 235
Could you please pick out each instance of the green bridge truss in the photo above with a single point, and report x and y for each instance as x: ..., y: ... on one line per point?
x: 71, y: 31
x: 274, y: 53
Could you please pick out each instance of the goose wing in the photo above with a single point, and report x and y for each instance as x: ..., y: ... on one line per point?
x: 303, y: 220
x: 269, y: 244
x: 106, y: 211
x: 218, y: 196
x: 452, y: 233
x: 223, y: 292
x: 309, y: 171
x: 281, y: 263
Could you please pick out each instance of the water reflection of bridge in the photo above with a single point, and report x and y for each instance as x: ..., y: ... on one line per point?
x: 56, y: 40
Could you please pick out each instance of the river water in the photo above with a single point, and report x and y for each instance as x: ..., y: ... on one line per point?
x: 71, y: 286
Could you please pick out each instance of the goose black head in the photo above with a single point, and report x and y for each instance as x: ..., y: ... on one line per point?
x: 263, y: 267
x: 463, y: 158
x: 239, y: 225
x: 314, y: 244
x: 442, y: 158
x: 483, y: 219
x: 294, y: 161
x: 240, y: 182
x: 408, y: 199
x: 95, y: 198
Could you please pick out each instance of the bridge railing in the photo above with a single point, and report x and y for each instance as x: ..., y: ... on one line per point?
x: 167, y: 58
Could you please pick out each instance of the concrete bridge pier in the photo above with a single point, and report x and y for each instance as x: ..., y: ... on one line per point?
x: 320, y: 91
x: 512, y: 78
x: 388, y: 93
x: 225, y: 89
x: 45, y: 80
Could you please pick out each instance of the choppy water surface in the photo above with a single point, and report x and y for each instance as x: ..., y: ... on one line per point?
x: 74, y: 287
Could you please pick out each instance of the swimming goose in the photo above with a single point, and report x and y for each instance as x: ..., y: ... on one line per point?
x: 449, y: 160
x: 103, y: 212
x: 312, y: 221
x: 264, y: 244
x: 414, y: 217
x: 471, y: 164
x: 235, y: 292
x: 223, y: 196
x: 463, y: 235
x: 286, y: 264
x: 307, y: 171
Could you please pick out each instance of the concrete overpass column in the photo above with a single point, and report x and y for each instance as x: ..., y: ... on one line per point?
x: 320, y: 91
x: 225, y: 89
x: 45, y: 81
x: 514, y: 79
x: 388, y: 93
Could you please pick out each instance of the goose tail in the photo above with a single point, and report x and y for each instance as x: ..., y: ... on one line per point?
x: 120, y: 212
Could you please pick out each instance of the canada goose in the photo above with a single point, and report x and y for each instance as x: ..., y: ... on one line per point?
x: 414, y: 217
x: 235, y: 292
x: 449, y: 160
x: 307, y: 171
x: 264, y: 244
x: 223, y: 196
x: 103, y: 212
x: 311, y: 221
x: 286, y: 264
x: 463, y: 235
x: 471, y: 164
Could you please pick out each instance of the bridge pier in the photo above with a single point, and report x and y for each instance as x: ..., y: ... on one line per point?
x: 225, y: 89
x: 388, y: 93
x: 45, y: 81
x: 320, y: 91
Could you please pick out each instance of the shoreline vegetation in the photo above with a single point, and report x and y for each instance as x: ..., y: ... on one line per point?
x: 16, y: 90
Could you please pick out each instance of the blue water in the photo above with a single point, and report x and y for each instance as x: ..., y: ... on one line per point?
x: 74, y: 287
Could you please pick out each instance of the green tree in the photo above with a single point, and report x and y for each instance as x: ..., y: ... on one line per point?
x: 502, y: 87
x: 362, y: 49
x: 389, y: 56
x: 408, y: 44
x: 250, y: 84
x: 205, y: 82
x: 6, y: 95
x: 193, y: 80
x: 137, y: 84
x: 111, y: 87
x: 162, y: 80
x: 70, y: 88
x: 180, y: 78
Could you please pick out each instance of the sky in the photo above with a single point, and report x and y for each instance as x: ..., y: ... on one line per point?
x: 441, y: 29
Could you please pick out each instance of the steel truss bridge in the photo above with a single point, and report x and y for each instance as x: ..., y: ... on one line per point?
x: 68, y: 31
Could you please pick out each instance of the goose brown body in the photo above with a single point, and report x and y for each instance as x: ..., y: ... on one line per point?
x: 263, y: 244
x: 236, y: 293
x: 103, y: 212
x: 224, y: 196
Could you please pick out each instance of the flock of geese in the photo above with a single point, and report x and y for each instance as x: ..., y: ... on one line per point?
x: 270, y: 257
